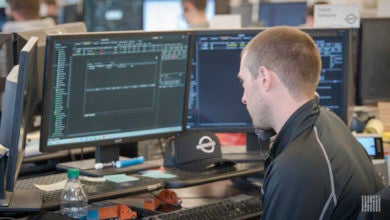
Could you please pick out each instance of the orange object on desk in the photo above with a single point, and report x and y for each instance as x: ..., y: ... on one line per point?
x: 165, y: 197
x: 119, y: 211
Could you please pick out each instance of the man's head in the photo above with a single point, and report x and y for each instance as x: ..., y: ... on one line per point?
x: 280, y: 62
x: 194, y: 11
x: 22, y: 10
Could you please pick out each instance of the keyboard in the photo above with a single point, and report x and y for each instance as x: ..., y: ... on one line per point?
x: 96, y: 190
x: 238, y: 207
x: 187, y: 178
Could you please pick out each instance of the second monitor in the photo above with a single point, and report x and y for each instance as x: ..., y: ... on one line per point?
x: 215, y: 93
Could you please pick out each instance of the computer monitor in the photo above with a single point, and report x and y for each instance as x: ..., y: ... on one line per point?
x: 374, y: 61
x: 69, y: 13
x: 106, y: 88
x: 282, y: 13
x: 23, y: 36
x: 336, y: 81
x: 215, y: 92
x: 15, y: 124
x: 113, y: 15
x: 168, y: 14
x: 6, y: 60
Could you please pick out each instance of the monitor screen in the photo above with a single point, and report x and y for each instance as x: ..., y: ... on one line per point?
x: 215, y: 91
x: 335, y: 86
x: 107, y: 88
x: 113, y: 15
x: 17, y: 110
x: 282, y: 13
x: 168, y: 14
x: 374, y: 61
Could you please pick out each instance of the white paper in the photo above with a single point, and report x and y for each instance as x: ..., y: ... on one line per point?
x: 52, y: 187
x: 336, y: 16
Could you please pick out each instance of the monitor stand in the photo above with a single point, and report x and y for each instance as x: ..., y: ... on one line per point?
x: 107, y: 154
x: 22, y: 201
x: 103, y: 154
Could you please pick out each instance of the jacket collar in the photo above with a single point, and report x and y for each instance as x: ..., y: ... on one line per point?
x: 300, y: 120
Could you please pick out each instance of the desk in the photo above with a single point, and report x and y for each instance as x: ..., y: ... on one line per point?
x: 196, y: 195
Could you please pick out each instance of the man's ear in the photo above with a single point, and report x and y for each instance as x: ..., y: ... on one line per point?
x: 265, y: 77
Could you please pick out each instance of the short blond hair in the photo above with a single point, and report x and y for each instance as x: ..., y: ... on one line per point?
x: 291, y: 54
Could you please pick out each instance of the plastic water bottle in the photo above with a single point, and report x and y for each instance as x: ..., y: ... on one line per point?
x: 74, y: 200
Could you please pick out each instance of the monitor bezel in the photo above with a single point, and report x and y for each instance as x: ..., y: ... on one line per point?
x: 21, y: 115
x: 48, y: 84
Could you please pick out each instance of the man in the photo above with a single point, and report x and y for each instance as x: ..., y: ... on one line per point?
x: 316, y: 169
x: 194, y: 13
x: 25, y: 16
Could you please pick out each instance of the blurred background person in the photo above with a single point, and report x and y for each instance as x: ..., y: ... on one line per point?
x: 25, y: 16
x: 194, y: 13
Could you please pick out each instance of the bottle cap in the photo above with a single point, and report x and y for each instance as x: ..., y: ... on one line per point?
x: 73, y: 173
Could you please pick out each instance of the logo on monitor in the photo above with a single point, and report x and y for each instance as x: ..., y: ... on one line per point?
x: 206, y: 144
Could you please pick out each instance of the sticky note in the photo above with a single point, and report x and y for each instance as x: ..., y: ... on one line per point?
x: 120, y: 178
x: 158, y: 174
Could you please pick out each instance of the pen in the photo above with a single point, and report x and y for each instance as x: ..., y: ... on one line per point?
x: 120, y: 163
x: 129, y: 162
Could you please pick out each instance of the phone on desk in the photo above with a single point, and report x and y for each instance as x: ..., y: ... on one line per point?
x: 372, y: 143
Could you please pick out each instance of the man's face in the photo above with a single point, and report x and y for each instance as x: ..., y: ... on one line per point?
x: 188, y: 12
x: 253, y: 98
